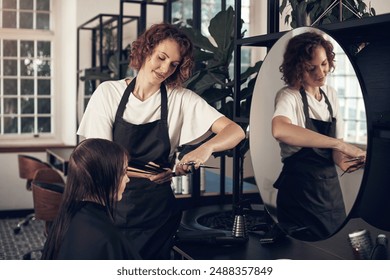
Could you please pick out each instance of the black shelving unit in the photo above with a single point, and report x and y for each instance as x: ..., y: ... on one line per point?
x: 260, y: 41
x: 97, y: 26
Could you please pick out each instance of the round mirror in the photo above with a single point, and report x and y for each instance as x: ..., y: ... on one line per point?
x: 266, y: 151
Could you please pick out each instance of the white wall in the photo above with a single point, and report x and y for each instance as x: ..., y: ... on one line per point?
x: 13, y: 193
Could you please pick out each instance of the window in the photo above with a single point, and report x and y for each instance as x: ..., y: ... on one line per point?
x: 26, y: 90
x: 351, y: 101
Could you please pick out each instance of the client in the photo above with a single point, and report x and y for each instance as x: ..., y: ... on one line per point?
x: 84, y: 227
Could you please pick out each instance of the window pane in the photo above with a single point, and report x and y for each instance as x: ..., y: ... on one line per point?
x: 10, y: 87
x: 43, y: 21
x: 44, y: 87
x: 43, y: 68
x: 27, y: 105
x: 26, y: 4
x: 43, y: 5
x: 182, y: 10
x: 43, y: 48
x: 27, y: 87
x: 10, y: 125
x: 9, y: 19
x: 10, y: 67
x: 10, y: 106
x: 44, y: 124
x: 27, y: 125
x: 27, y: 67
x: 10, y: 48
x: 44, y: 106
x: 26, y: 20
x: 27, y: 48
x: 9, y: 4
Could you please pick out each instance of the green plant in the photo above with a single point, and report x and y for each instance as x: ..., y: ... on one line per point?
x: 211, y: 78
x: 303, y: 12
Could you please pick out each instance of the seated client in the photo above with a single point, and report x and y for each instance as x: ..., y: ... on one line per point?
x: 84, y: 227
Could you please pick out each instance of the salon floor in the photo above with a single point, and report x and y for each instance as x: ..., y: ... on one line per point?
x: 14, y: 246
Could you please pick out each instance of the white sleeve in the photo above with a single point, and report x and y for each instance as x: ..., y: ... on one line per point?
x: 285, y: 105
x: 99, y: 116
x: 198, y: 117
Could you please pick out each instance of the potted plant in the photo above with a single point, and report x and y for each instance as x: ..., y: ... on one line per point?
x: 211, y: 78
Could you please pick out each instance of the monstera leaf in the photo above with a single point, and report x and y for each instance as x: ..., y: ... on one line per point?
x: 211, y: 78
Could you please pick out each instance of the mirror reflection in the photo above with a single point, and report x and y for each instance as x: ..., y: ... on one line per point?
x: 308, y: 142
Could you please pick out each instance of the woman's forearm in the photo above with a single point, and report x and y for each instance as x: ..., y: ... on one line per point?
x: 294, y: 135
x: 228, y: 135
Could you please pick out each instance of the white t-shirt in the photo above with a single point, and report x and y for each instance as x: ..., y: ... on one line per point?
x: 288, y: 103
x: 190, y: 117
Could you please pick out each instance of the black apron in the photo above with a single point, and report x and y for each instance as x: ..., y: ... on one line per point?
x: 148, y: 213
x: 310, y: 204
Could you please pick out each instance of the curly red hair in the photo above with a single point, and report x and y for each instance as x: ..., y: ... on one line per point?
x: 299, y: 50
x: 144, y: 46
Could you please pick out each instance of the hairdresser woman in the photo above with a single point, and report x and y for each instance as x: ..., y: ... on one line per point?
x: 151, y: 115
x: 307, y: 123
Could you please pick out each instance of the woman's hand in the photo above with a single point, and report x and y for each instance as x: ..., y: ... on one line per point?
x: 162, y: 177
x: 351, y: 151
x: 196, y: 157
x: 158, y: 178
x: 227, y: 135
x: 350, y: 158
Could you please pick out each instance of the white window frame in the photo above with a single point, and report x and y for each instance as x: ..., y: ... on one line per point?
x: 35, y: 139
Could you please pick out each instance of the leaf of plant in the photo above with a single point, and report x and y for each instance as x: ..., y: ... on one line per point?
x: 198, y: 39
x: 251, y: 70
x: 222, y: 28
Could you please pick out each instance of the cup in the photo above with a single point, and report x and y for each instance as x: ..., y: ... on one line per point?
x: 361, y: 244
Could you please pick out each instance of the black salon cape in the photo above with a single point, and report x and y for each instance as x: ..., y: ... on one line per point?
x: 93, y: 236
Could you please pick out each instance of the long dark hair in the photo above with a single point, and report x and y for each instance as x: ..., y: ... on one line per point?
x: 299, y: 50
x: 96, y: 168
x: 144, y: 46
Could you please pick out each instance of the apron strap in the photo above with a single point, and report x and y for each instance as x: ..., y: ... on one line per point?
x: 325, y: 153
x: 308, y: 122
x: 129, y: 90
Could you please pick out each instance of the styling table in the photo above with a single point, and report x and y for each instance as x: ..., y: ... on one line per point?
x: 335, y: 248
x: 59, y: 158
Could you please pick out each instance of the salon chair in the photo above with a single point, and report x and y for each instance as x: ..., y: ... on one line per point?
x: 28, y: 165
x: 49, y: 175
x: 47, y: 199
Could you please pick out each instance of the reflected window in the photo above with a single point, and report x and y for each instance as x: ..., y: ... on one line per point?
x: 26, y: 68
x: 344, y: 80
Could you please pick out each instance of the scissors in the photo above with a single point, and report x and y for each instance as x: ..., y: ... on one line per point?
x: 356, y: 166
x: 192, y: 163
